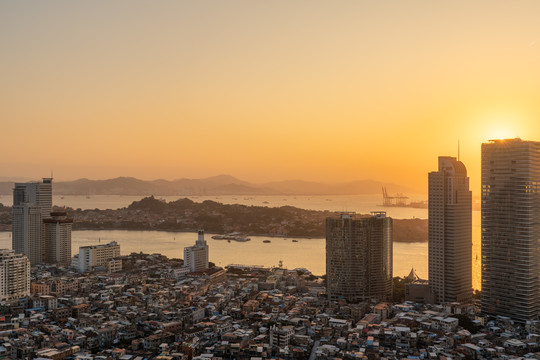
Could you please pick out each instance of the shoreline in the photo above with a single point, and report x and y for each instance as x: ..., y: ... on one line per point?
x: 195, y: 231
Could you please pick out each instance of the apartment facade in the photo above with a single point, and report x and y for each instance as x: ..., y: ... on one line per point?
x: 196, y: 256
x: 92, y: 256
x: 57, y: 239
x: 511, y: 229
x: 14, y: 275
x: 359, y: 257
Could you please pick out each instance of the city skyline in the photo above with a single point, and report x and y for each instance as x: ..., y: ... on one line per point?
x: 263, y: 91
x: 271, y: 127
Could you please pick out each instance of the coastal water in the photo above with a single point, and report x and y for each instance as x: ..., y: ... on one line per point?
x: 307, y: 253
x: 359, y: 203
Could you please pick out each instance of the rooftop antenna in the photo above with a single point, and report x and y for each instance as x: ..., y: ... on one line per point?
x: 458, y: 150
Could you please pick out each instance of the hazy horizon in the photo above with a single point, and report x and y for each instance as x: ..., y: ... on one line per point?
x: 265, y: 91
x: 277, y: 188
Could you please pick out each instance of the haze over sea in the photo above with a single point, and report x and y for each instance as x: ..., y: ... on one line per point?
x: 306, y: 253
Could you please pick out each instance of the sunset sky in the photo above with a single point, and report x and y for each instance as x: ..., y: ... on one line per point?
x: 263, y: 90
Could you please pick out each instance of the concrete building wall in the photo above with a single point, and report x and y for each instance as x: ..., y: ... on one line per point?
x: 57, y: 239
x: 359, y: 258
x: 14, y: 275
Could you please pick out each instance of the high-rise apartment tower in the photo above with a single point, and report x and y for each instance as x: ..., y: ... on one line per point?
x: 14, y: 275
x: 359, y: 257
x: 57, y: 239
x: 511, y: 228
x: 32, y: 203
x: 196, y: 256
x: 450, y: 232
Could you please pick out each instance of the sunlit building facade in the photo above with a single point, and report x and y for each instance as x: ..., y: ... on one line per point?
x: 450, y: 232
x: 359, y: 257
x: 14, y: 275
x: 57, y: 239
x: 511, y: 229
x: 196, y: 256
x: 93, y: 256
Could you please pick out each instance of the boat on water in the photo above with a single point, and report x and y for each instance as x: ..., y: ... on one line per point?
x: 266, y: 241
x: 265, y: 202
x: 294, y: 240
x: 232, y: 236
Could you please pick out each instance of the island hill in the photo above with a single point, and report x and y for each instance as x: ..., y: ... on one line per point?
x: 186, y: 215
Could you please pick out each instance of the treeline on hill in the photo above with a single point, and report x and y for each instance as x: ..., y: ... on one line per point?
x: 219, y: 218
x: 184, y: 214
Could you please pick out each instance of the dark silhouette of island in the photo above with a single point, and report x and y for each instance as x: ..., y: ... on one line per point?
x: 186, y: 215
x: 216, y: 185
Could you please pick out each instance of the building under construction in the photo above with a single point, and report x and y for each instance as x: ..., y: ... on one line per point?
x: 359, y: 257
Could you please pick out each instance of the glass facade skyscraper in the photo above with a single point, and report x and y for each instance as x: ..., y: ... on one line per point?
x: 511, y: 228
x: 32, y: 202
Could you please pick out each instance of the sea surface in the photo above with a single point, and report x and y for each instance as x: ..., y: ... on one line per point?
x: 306, y: 253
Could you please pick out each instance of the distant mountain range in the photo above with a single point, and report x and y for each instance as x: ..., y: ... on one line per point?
x: 216, y: 185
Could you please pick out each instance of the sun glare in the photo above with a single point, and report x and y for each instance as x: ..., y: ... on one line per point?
x: 501, y: 133
x: 501, y: 126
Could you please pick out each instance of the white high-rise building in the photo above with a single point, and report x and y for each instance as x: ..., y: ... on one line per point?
x: 511, y: 229
x: 98, y: 255
x: 14, y: 275
x: 450, y: 232
x: 196, y: 256
x: 32, y: 202
x: 57, y: 239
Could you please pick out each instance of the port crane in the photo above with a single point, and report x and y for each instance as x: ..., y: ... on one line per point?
x: 397, y: 200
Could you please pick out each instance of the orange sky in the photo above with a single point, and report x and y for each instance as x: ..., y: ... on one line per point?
x: 275, y: 90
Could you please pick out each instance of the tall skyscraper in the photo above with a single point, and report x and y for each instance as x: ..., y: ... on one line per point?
x: 14, y: 275
x: 359, y: 257
x: 57, y: 239
x: 37, y: 193
x: 511, y: 228
x: 32, y: 202
x: 196, y: 256
x: 27, y: 231
x: 450, y: 232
